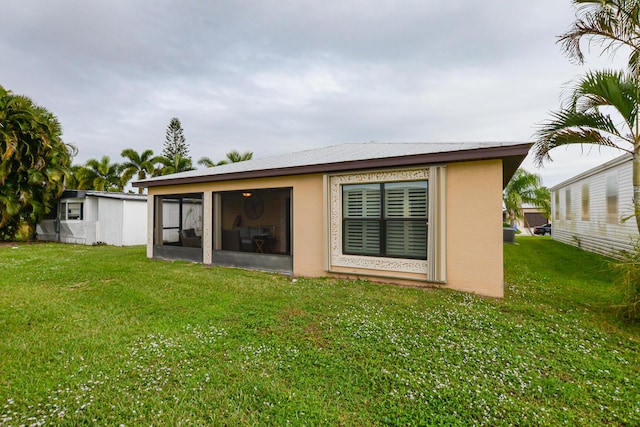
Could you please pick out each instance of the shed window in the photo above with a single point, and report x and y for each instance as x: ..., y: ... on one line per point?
x: 386, y: 219
x: 71, y: 210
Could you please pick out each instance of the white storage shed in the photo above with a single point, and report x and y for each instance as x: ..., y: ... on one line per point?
x: 91, y: 217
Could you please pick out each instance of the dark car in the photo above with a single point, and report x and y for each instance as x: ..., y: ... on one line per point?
x: 542, y: 229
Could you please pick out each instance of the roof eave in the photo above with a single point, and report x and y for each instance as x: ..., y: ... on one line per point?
x: 512, y: 156
x: 595, y: 170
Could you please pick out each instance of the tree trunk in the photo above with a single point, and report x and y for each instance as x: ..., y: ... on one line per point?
x: 636, y: 186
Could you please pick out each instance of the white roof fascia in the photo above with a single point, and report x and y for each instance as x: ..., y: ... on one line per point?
x: 627, y: 157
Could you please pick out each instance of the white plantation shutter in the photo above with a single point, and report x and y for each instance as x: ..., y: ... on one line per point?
x: 362, y: 201
x: 407, y: 239
x: 400, y: 232
x: 406, y: 201
x: 362, y: 237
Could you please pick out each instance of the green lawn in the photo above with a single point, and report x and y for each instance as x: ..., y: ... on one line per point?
x: 103, y: 336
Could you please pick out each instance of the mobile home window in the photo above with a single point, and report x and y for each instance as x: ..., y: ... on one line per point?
x: 585, y: 202
x: 556, y: 213
x: 567, y: 204
x: 386, y: 219
x: 612, y: 199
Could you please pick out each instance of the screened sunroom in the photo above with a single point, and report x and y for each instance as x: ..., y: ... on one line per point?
x: 252, y: 229
x: 178, y: 226
x: 249, y: 228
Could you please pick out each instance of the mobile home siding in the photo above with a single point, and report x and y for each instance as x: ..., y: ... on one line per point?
x: 593, y: 232
x: 115, y: 219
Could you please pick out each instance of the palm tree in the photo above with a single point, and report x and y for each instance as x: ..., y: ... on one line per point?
x: 34, y: 162
x: 587, y: 119
x: 611, y: 23
x: 103, y: 175
x: 80, y: 178
x: 206, y: 162
x: 233, y: 156
x: 174, y: 165
x: 525, y: 188
x: 614, y: 24
x: 142, y: 164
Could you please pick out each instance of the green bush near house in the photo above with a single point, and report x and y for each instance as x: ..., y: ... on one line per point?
x: 627, y: 268
x: 103, y: 336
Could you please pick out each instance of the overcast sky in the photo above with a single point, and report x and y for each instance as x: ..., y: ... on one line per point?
x: 274, y: 77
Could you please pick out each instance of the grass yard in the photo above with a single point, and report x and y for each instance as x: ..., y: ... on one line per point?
x: 103, y: 336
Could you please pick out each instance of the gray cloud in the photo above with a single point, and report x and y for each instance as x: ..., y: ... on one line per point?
x: 278, y: 76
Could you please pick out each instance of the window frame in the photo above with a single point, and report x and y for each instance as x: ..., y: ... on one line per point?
x: 185, y: 215
x: 64, y: 210
x: 433, y: 270
x: 612, y: 194
x: 383, y: 219
x: 586, y: 202
x: 568, y: 208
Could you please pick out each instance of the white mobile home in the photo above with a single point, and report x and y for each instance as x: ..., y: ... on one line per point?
x: 90, y: 217
x: 589, y: 209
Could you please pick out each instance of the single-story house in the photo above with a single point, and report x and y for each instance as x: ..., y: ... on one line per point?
x: 589, y: 210
x: 90, y: 217
x: 406, y: 213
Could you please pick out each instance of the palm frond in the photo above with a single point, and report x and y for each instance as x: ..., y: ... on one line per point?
x: 611, y: 23
x: 587, y: 118
x: 206, y: 162
x: 577, y: 136
x: 607, y: 89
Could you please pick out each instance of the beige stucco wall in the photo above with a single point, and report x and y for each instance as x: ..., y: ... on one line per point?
x: 474, y: 224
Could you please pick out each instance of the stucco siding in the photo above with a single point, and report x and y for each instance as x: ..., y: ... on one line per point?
x: 308, y: 226
x: 472, y: 249
x: 474, y: 224
x: 599, y: 232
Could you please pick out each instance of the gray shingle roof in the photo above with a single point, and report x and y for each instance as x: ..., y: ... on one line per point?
x: 332, y: 155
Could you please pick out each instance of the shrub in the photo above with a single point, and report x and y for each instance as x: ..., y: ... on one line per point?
x: 628, y: 267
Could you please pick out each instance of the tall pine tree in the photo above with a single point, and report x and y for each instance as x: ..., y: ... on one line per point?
x: 175, y: 143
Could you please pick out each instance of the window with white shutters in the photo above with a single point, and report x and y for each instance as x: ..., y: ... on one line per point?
x: 386, y: 219
x: 362, y: 219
